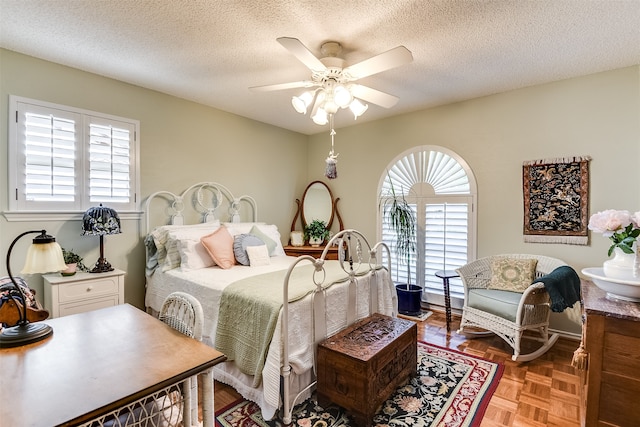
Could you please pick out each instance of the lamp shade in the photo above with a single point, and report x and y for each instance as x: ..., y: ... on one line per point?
x: 99, y: 221
x: 44, y: 258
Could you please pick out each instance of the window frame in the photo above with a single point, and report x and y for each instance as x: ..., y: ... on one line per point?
x: 419, y: 198
x: 23, y: 210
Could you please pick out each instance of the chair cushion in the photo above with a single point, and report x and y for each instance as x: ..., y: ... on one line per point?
x: 500, y: 303
x: 512, y: 274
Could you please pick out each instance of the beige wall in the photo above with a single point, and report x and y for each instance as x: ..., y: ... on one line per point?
x: 596, y: 115
x: 183, y: 142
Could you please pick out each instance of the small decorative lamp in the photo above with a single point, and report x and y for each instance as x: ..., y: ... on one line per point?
x: 44, y: 256
x: 99, y: 221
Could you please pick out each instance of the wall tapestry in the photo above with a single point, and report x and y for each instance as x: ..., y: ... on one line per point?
x: 556, y: 200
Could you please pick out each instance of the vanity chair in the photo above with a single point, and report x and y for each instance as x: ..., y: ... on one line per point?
x: 499, y: 297
x: 317, y: 203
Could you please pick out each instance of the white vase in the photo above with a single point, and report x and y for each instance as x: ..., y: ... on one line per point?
x: 622, y: 265
x: 315, y: 241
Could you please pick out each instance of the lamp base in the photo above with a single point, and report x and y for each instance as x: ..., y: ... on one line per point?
x: 102, y: 266
x: 23, y: 334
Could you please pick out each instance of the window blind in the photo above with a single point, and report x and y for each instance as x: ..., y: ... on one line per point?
x: 109, y: 163
x: 50, y: 146
x: 437, y: 185
x: 445, y: 243
x: 65, y: 159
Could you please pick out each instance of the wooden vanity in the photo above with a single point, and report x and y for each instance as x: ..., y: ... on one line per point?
x: 312, y: 251
x: 611, y: 383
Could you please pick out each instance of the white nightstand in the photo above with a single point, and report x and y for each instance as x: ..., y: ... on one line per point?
x: 64, y: 295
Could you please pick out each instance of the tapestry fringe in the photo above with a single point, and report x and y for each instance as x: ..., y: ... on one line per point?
x: 557, y: 160
x: 569, y: 240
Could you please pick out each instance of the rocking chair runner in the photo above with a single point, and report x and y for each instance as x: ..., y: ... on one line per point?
x: 505, y: 313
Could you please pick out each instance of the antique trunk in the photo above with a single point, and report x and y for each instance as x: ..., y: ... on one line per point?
x: 361, y: 366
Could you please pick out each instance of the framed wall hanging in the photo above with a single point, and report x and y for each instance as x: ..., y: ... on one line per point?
x: 556, y: 200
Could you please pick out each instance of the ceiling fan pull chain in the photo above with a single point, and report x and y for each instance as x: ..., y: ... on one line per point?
x: 331, y: 171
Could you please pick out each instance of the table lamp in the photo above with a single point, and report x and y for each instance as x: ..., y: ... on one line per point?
x: 99, y: 221
x: 44, y: 256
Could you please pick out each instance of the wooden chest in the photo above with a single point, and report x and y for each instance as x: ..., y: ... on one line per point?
x: 361, y: 366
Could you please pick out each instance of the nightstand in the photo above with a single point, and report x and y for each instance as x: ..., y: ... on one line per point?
x: 64, y: 295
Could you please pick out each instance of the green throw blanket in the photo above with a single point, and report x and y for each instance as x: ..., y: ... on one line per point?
x: 563, y: 286
x: 249, y: 310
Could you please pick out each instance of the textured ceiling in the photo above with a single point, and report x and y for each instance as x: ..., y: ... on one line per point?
x: 211, y: 51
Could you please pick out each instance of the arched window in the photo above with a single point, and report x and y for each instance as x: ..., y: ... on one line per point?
x: 441, y: 189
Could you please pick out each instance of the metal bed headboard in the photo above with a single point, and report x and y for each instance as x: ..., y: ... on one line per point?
x: 210, y: 201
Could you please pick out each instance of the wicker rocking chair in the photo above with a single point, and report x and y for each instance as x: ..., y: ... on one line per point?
x: 183, y: 313
x: 505, y: 313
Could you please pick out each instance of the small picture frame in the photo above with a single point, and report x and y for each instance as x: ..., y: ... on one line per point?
x: 297, y: 238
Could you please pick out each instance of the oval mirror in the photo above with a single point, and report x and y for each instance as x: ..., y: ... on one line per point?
x: 317, y: 203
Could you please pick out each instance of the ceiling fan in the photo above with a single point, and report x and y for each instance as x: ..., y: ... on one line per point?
x: 332, y: 84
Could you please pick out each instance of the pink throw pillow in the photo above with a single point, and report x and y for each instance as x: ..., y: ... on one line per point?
x: 219, y: 244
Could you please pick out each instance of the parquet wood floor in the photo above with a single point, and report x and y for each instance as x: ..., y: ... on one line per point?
x: 543, y: 392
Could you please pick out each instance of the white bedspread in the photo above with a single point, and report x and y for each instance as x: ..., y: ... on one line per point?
x: 207, y: 285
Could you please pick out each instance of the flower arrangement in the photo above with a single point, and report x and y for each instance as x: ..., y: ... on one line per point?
x: 622, y: 227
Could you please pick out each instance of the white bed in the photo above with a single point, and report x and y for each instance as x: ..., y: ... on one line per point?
x: 287, y: 376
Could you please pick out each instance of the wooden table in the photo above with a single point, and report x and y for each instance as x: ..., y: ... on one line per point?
x: 96, y: 362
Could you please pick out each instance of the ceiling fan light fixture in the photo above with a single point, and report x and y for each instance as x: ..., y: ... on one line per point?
x: 357, y: 108
x: 302, y: 102
x: 342, y: 96
x: 320, y: 117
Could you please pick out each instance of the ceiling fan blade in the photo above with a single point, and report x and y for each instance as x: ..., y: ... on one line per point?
x: 301, y: 52
x: 374, y: 96
x: 283, y: 86
x: 385, y: 61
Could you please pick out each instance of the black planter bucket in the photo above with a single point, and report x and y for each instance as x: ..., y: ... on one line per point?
x: 409, y: 299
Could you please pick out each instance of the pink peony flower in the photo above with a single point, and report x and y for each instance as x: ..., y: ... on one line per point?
x: 635, y: 218
x: 609, y: 221
x: 620, y: 226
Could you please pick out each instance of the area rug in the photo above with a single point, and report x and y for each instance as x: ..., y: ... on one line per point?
x: 451, y: 389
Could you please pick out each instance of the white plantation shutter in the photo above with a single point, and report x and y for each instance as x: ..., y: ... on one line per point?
x: 400, y: 272
x: 66, y: 159
x: 48, y: 158
x: 440, y: 188
x: 109, y: 162
x: 446, y: 243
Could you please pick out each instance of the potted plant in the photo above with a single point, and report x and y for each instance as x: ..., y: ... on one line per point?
x: 401, y: 218
x: 316, y: 232
x: 73, y: 261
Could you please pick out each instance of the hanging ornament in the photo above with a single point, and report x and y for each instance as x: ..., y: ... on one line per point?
x: 331, y: 171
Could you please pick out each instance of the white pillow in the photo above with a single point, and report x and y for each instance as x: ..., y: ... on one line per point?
x: 193, y: 255
x: 165, y: 244
x: 173, y: 256
x: 258, y: 255
x: 270, y: 230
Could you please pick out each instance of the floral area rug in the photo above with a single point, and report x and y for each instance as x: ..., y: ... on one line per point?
x: 451, y: 389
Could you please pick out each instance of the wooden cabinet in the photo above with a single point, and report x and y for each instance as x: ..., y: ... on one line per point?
x: 611, y: 384
x: 64, y: 295
x: 360, y: 367
x: 313, y: 251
